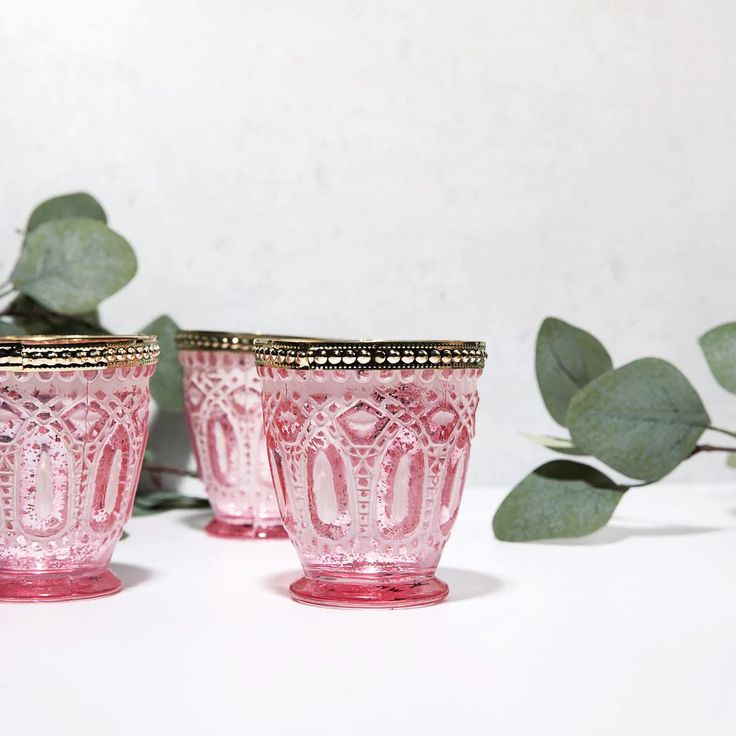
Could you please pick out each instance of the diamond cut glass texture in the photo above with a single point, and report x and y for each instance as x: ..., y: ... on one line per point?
x: 369, y: 468
x: 71, y: 448
x: 222, y: 391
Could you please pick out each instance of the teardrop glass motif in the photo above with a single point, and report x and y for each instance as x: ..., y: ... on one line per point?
x: 110, y: 482
x: 452, y: 489
x: 400, y: 486
x: 222, y: 446
x: 327, y: 491
x: 44, y: 469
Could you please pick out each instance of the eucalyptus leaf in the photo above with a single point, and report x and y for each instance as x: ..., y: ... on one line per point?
x: 30, y: 315
x: 8, y: 328
x: 719, y: 348
x: 79, y: 204
x: 643, y: 419
x: 560, y: 499
x: 167, y: 382
x: 166, y: 500
x: 558, y: 444
x: 567, y: 358
x: 36, y: 319
x: 71, y: 265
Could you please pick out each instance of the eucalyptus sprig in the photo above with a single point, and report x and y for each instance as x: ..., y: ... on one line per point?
x: 70, y: 261
x: 642, y: 420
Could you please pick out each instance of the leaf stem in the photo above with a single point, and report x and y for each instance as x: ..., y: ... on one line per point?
x: 711, y: 448
x: 722, y: 431
x: 183, y: 472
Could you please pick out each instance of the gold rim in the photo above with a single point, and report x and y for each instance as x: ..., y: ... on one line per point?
x: 69, y: 352
x: 368, y: 354
x: 238, y: 342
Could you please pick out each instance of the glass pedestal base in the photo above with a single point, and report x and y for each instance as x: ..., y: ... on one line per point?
x: 225, y: 530
x: 378, y: 592
x: 35, y: 587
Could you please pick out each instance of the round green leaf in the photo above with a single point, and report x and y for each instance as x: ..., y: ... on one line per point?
x: 560, y: 499
x: 567, y: 358
x: 719, y: 348
x: 643, y: 419
x: 78, y: 204
x: 71, y: 265
x: 167, y: 500
x: 35, y: 319
x: 9, y: 328
x: 558, y: 444
x: 167, y: 382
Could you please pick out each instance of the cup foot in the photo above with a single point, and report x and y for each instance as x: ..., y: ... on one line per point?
x: 37, y: 587
x: 375, y: 593
x: 224, y: 530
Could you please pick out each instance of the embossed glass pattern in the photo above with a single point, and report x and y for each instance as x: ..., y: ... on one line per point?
x: 71, y: 448
x: 369, y: 468
x: 222, y: 390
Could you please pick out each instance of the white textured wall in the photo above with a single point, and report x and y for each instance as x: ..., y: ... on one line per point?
x: 397, y: 169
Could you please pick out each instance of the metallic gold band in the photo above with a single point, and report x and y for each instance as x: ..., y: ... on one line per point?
x: 368, y: 354
x: 76, y: 352
x: 241, y: 342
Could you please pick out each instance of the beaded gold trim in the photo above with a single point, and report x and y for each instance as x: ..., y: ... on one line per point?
x: 368, y: 354
x: 240, y: 342
x: 76, y: 352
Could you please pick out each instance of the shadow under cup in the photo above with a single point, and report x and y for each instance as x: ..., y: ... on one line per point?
x: 73, y: 428
x: 369, y: 445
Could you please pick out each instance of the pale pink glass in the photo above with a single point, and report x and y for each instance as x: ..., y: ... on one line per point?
x: 71, y: 448
x: 222, y: 392
x: 369, y: 468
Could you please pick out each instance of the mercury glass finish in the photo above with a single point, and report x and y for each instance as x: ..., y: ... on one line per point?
x: 222, y: 391
x: 71, y: 448
x: 369, y: 468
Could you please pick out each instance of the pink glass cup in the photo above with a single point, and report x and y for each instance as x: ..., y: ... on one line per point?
x: 73, y: 428
x: 222, y: 392
x: 368, y: 445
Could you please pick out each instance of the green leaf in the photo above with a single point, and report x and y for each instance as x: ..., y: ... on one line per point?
x: 719, y: 348
x: 567, y: 358
x: 71, y: 265
x: 167, y: 382
x: 35, y: 319
x: 8, y: 328
x: 557, y: 500
x: 79, y: 204
x: 558, y: 444
x: 167, y: 500
x: 643, y: 419
x: 731, y: 460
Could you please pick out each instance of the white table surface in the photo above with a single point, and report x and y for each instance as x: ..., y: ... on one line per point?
x: 632, y: 631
